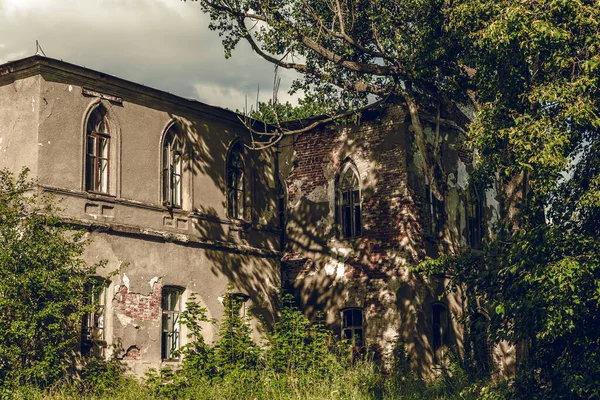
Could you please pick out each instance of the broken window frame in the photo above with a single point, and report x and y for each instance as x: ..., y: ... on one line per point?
x: 236, y: 184
x: 97, y: 152
x: 440, y: 321
x: 170, y: 323
x: 349, y: 203
x: 475, y: 217
x: 93, y: 328
x: 172, y: 173
x: 352, y: 331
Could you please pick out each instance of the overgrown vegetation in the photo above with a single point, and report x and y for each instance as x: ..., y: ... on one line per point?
x: 297, y: 360
x: 42, y: 292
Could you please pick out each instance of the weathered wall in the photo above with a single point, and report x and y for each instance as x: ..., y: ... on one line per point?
x: 372, y: 271
x: 43, y: 116
x: 19, y: 111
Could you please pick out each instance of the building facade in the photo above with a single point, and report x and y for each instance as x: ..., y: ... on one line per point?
x: 173, y: 203
x: 361, y: 213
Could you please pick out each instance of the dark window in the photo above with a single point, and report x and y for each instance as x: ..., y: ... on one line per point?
x: 97, y: 152
x: 171, y: 308
x: 440, y: 331
x: 172, y: 160
x: 475, y: 214
x: 93, y: 341
x: 348, y: 210
x: 352, y: 326
x: 281, y: 209
x: 235, y: 183
x: 480, y: 348
x: 435, y: 213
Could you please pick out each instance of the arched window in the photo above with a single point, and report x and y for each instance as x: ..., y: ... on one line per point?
x: 348, y: 208
x: 440, y: 331
x: 475, y: 214
x: 172, y: 161
x: 235, y: 183
x: 97, y: 152
x: 480, y: 348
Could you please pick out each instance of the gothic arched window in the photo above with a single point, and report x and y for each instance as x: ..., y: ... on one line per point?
x: 348, y: 207
x: 97, y: 155
x: 236, y: 172
x: 172, y: 161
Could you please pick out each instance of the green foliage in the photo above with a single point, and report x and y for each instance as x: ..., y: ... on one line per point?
x: 296, y: 344
x: 42, y: 278
x: 198, y: 356
x: 235, y: 349
x: 308, y: 107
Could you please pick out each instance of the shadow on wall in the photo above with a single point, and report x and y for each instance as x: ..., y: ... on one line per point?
x: 252, y: 272
x: 325, y: 271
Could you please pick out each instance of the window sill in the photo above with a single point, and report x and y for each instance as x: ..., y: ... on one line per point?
x: 99, y: 195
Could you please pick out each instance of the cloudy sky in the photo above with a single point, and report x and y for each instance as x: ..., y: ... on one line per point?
x: 165, y: 44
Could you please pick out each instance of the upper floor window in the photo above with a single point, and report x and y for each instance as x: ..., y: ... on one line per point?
x: 97, y: 152
x: 348, y: 207
x: 352, y: 326
x: 440, y: 331
x: 434, y: 216
x: 236, y: 171
x: 475, y: 216
x: 171, y: 308
x: 93, y: 338
x: 172, y: 161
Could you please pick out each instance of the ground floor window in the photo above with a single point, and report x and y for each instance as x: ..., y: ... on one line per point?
x: 352, y: 326
x: 171, y: 308
x: 440, y: 331
x: 93, y: 340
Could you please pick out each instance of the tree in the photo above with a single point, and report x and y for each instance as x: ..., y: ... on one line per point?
x: 529, y: 70
x: 42, y: 280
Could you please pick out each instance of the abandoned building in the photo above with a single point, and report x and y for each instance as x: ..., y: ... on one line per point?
x: 176, y: 205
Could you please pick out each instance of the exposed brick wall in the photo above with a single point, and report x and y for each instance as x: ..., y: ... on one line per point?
x: 390, y: 213
x: 139, y: 306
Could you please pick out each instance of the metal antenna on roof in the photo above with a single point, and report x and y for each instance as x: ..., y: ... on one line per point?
x: 38, y: 49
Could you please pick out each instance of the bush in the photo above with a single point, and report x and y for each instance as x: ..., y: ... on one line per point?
x: 42, y: 292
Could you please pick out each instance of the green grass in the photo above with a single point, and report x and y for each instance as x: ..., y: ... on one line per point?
x: 360, y: 381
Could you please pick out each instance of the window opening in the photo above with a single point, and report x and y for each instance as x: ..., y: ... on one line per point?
x: 172, y: 168
x: 480, y: 348
x: 171, y: 306
x: 440, y: 331
x: 281, y: 209
x: 97, y: 152
x: 352, y: 326
x: 435, y: 212
x: 93, y: 338
x: 475, y: 214
x: 349, y: 203
x: 235, y: 183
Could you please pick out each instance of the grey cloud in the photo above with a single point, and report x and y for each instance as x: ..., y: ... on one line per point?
x: 160, y: 43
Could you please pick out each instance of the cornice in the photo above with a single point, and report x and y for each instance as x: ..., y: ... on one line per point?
x: 60, y: 71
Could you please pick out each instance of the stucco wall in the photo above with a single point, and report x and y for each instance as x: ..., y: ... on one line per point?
x: 19, y: 112
x: 143, y: 244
